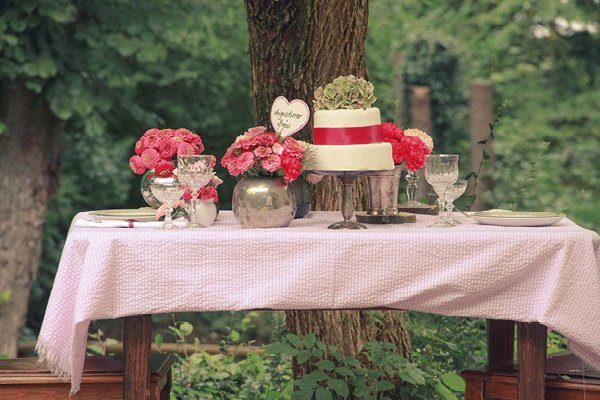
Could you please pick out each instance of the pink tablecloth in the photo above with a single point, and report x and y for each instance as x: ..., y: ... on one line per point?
x: 549, y: 275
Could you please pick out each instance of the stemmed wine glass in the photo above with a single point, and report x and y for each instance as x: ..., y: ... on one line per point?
x: 454, y: 192
x: 441, y: 171
x: 195, y: 171
x: 167, y: 191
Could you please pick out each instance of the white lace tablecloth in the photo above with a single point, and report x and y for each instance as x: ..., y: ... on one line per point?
x: 549, y: 275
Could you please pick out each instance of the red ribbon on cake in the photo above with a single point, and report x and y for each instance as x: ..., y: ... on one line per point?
x: 348, y: 135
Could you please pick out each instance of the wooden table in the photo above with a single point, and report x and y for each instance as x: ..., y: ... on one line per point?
x: 531, y: 355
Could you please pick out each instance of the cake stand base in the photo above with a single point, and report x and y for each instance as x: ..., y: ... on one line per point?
x: 347, y: 225
x: 380, y: 219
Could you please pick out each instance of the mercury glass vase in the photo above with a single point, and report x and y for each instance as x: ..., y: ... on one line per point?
x: 206, y: 211
x: 383, y: 191
x: 263, y: 202
x: 147, y: 195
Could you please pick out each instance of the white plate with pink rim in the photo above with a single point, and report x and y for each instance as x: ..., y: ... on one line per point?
x: 517, y: 218
x: 143, y: 214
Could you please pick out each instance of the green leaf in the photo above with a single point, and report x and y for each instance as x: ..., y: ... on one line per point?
x: 303, y: 356
x: 306, y: 383
x: 58, y: 11
x: 186, y: 328
x: 276, y: 348
x: 2, y: 128
x: 310, y: 340
x: 384, y: 385
x: 5, y: 296
x: 294, y: 340
x: 321, y: 345
x: 46, y: 67
x: 30, y: 69
x: 234, y: 336
x: 317, y: 376
x: 327, y: 365
x: 339, y: 386
x: 351, y: 361
x: 305, y: 394
x: 344, y: 371
x: 453, y: 381
x: 323, y: 394
x: 444, y: 392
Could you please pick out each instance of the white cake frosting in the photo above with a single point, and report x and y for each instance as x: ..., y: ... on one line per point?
x: 356, y: 157
x: 347, y: 118
x: 348, y: 157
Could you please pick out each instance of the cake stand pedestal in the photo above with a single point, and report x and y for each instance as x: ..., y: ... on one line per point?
x: 347, y: 179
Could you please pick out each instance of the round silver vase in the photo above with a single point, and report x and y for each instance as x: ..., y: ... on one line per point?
x: 263, y: 202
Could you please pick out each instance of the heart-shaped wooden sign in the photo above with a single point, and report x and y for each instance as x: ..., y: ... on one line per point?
x: 288, y: 117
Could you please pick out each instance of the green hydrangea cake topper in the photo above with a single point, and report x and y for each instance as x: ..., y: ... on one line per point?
x: 345, y: 92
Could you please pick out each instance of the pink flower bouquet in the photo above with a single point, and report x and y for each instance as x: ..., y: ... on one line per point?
x: 410, y: 146
x: 259, y: 153
x: 158, y: 148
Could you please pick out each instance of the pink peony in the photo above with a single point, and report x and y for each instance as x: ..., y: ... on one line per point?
x: 185, y: 149
x: 151, y: 138
x: 208, y: 193
x: 167, y: 148
x: 278, y: 148
x: 245, y: 161
x: 255, y: 131
x: 272, y: 163
x: 164, y: 169
x: 136, y: 165
x: 264, y: 139
x: 139, y: 147
x: 262, y: 151
x: 291, y: 147
x: 150, y: 158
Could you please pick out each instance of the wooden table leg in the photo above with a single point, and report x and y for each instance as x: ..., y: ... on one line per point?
x: 531, y: 355
x: 137, y: 339
x: 500, y: 343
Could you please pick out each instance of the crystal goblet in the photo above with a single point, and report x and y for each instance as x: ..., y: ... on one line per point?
x: 195, y: 171
x: 454, y: 192
x: 441, y: 171
x: 167, y: 191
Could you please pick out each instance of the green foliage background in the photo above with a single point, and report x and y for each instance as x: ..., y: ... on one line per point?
x: 112, y: 69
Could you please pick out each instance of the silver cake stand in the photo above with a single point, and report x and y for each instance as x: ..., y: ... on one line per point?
x: 347, y: 179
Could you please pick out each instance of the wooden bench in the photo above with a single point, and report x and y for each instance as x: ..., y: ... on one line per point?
x: 25, y: 378
x: 566, y: 379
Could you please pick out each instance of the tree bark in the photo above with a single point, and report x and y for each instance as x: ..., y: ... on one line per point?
x: 29, y: 163
x: 296, y: 46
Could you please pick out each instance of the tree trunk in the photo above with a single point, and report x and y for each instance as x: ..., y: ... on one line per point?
x: 296, y: 46
x: 30, y: 156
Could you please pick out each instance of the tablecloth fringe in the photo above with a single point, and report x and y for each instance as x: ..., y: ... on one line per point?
x: 57, y: 365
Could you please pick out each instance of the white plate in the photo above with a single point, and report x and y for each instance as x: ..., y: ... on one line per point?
x: 140, y: 214
x: 517, y: 218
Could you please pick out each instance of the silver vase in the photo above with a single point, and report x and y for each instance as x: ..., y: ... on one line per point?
x: 383, y: 191
x: 263, y: 202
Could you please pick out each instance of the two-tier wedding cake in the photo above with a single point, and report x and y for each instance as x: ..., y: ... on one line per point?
x: 347, y: 133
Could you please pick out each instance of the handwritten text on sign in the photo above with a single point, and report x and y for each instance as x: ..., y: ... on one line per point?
x: 288, y: 117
